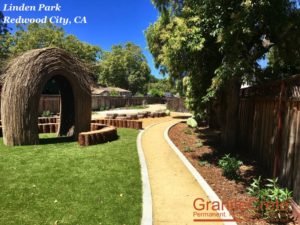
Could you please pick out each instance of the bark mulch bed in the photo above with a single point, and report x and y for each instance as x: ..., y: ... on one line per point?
x: 202, y: 149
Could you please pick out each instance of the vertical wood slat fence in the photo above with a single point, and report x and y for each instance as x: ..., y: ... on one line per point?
x: 52, y: 102
x: 176, y: 104
x: 269, y: 129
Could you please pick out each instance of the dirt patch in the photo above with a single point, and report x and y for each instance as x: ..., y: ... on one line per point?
x: 202, y: 149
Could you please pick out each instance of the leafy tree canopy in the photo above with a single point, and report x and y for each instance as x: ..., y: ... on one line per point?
x: 36, y: 35
x: 208, y: 42
x: 125, y: 67
x: 4, y: 33
x: 214, y: 45
x: 158, y: 87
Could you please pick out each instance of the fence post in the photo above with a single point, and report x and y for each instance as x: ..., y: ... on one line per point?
x: 280, y: 113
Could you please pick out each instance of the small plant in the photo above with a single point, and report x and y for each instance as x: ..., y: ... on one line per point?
x: 188, y: 131
x: 188, y: 149
x: 204, y: 163
x: 230, y: 166
x: 47, y: 113
x: 272, y: 202
x: 191, y: 122
x: 199, y: 144
x: 168, y: 113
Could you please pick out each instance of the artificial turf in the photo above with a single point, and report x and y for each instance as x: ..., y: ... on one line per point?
x: 63, y: 183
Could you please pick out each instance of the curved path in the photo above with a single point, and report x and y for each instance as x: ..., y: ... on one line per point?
x: 173, y: 187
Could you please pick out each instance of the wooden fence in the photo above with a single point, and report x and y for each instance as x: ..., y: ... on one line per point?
x: 176, y: 104
x: 108, y: 102
x: 269, y: 129
x: 52, y: 102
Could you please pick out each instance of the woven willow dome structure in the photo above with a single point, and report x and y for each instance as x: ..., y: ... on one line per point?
x: 23, y: 83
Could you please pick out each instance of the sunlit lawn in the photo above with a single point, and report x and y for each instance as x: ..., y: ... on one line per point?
x: 63, y: 183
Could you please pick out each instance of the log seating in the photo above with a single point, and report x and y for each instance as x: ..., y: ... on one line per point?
x: 103, y: 135
x: 120, y: 123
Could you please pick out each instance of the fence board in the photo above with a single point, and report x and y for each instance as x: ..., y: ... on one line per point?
x: 259, y: 131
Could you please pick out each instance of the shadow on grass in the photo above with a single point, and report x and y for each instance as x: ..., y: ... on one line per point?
x: 56, y: 140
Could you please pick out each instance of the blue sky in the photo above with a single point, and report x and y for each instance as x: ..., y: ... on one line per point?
x: 109, y: 21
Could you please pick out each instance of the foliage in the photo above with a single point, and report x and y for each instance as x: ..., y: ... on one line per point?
x: 212, y: 47
x: 168, y: 113
x: 4, y: 34
x: 272, y: 202
x: 230, y: 166
x: 188, y: 131
x: 176, y: 43
x: 47, y: 113
x: 191, y: 122
x: 33, y: 177
x: 34, y: 36
x: 125, y: 67
x: 283, y: 59
x: 154, y: 92
x: 199, y: 144
x: 188, y: 149
x: 159, y: 87
x: 114, y: 93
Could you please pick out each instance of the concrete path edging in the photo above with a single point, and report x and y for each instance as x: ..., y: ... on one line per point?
x: 203, y: 184
x: 147, y: 217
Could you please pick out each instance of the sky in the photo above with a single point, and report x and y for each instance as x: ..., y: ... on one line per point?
x: 109, y: 22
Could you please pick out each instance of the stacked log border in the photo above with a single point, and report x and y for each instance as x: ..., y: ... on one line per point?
x: 95, y: 137
x: 45, y: 128
x: 134, y: 124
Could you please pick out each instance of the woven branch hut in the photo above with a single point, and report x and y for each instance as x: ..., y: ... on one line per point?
x: 23, y: 82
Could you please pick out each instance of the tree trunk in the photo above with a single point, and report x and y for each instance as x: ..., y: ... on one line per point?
x: 230, y: 109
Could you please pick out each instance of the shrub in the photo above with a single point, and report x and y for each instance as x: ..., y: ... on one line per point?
x: 199, y: 144
x: 272, y: 202
x: 191, y: 122
x: 168, y: 113
x: 188, y: 131
x: 230, y: 166
x: 47, y: 113
x: 203, y: 163
x: 188, y: 149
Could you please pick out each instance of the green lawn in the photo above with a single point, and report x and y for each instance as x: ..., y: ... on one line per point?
x: 67, y: 184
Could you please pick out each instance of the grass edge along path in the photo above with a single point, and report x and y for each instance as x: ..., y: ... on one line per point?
x: 65, y: 184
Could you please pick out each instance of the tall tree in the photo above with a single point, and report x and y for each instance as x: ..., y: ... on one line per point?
x: 4, y: 35
x: 214, y: 45
x: 36, y: 35
x: 125, y: 67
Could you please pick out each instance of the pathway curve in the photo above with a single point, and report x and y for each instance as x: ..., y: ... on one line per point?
x: 173, y: 187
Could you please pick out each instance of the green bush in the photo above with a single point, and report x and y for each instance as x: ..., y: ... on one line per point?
x: 272, y: 202
x: 188, y: 131
x: 199, y: 144
x: 154, y: 92
x: 191, y: 122
x: 47, y: 113
x: 230, y: 166
x: 188, y: 149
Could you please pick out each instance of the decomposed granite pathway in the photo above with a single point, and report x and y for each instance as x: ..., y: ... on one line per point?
x: 173, y: 187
